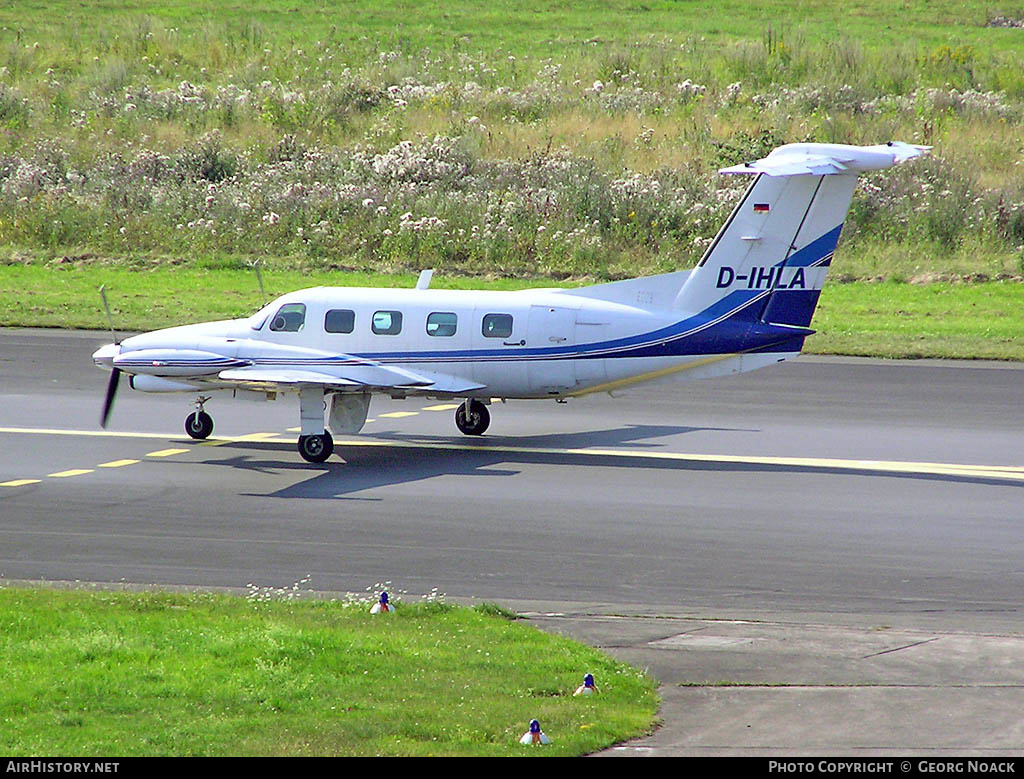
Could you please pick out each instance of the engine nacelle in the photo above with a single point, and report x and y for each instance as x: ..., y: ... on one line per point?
x: 144, y: 383
x: 175, y: 362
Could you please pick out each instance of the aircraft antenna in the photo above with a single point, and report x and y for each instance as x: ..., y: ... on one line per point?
x: 423, y: 282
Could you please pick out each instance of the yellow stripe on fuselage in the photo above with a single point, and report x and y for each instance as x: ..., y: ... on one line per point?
x: 620, y: 383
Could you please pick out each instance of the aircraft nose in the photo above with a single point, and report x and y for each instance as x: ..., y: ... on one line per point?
x: 104, y: 356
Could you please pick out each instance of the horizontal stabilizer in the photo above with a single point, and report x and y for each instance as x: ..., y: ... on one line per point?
x: 825, y: 159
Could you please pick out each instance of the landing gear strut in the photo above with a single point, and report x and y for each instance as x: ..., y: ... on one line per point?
x: 199, y: 424
x: 316, y: 448
x: 472, y: 417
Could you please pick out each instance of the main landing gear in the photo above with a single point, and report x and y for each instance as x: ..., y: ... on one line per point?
x: 472, y: 417
x: 199, y: 424
x: 315, y: 442
x: 316, y: 448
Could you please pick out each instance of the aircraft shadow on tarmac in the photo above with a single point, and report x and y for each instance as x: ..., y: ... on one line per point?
x: 626, y: 437
x: 373, y: 465
x: 416, y: 458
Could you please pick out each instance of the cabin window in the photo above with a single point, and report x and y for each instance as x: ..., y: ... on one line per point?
x: 387, y: 322
x: 497, y: 325
x: 340, y: 320
x: 442, y: 323
x: 289, y: 318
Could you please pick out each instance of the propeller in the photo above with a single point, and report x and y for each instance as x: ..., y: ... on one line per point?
x: 108, y: 402
x: 106, y: 307
x: 259, y: 277
x: 115, y: 373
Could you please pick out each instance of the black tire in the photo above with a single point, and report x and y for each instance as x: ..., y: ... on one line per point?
x: 474, y: 423
x: 316, y: 448
x: 199, y: 425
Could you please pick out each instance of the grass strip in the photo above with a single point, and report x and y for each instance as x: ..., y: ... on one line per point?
x: 94, y: 673
x: 977, y: 320
x: 942, y: 319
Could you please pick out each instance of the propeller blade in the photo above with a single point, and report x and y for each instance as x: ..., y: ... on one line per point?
x: 106, y: 307
x: 115, y: 377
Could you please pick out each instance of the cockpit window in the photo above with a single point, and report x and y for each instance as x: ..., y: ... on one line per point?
x: 289, y: 318
x: 257, y: 320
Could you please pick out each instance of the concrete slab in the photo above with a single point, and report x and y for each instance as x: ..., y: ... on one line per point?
x: 736, y: 687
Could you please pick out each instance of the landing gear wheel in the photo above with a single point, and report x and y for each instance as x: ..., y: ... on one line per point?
x: 476, y: 421
x: 199, y: 425
x: 316, y: 448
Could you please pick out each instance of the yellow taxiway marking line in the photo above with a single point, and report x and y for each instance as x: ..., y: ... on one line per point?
x: 299, y: 429
x: 72, y: 472
x: 18, y: 482
x: 95, y: 433
x: 442, y: 407
x: 124, y: 434
x: 1001, y: 472
x: 117, y: 463
x: 236, y: 439
x: 399, y: 414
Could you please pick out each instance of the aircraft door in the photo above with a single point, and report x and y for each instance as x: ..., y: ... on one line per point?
x: 498, y: 343
x: 552, y: 331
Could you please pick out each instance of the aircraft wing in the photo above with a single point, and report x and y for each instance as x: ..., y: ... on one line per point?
x: 273, y: 377
x: 364, y: 376
x: 447, y: 384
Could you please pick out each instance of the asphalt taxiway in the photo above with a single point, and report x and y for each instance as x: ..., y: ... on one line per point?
x: 824, y: 556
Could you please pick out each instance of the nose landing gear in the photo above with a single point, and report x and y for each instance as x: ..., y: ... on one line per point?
x: 199, y: 424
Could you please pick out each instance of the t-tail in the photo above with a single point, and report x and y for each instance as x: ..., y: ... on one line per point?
x: 764, y: 270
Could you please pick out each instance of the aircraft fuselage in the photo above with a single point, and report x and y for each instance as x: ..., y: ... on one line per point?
x: 524, y: 344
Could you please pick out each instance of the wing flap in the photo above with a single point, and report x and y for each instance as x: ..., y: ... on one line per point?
x: 447, y: 384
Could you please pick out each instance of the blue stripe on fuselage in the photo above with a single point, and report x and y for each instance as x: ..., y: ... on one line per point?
x: 730, y: 324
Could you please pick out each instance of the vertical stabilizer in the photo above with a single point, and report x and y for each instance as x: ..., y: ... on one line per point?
x: 769, y: 260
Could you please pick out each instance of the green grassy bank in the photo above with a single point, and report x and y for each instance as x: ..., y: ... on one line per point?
x: 506, y: 141
x: 105, y: 673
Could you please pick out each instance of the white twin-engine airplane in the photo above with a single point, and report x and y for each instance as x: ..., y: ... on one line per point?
x: 747, y: 304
